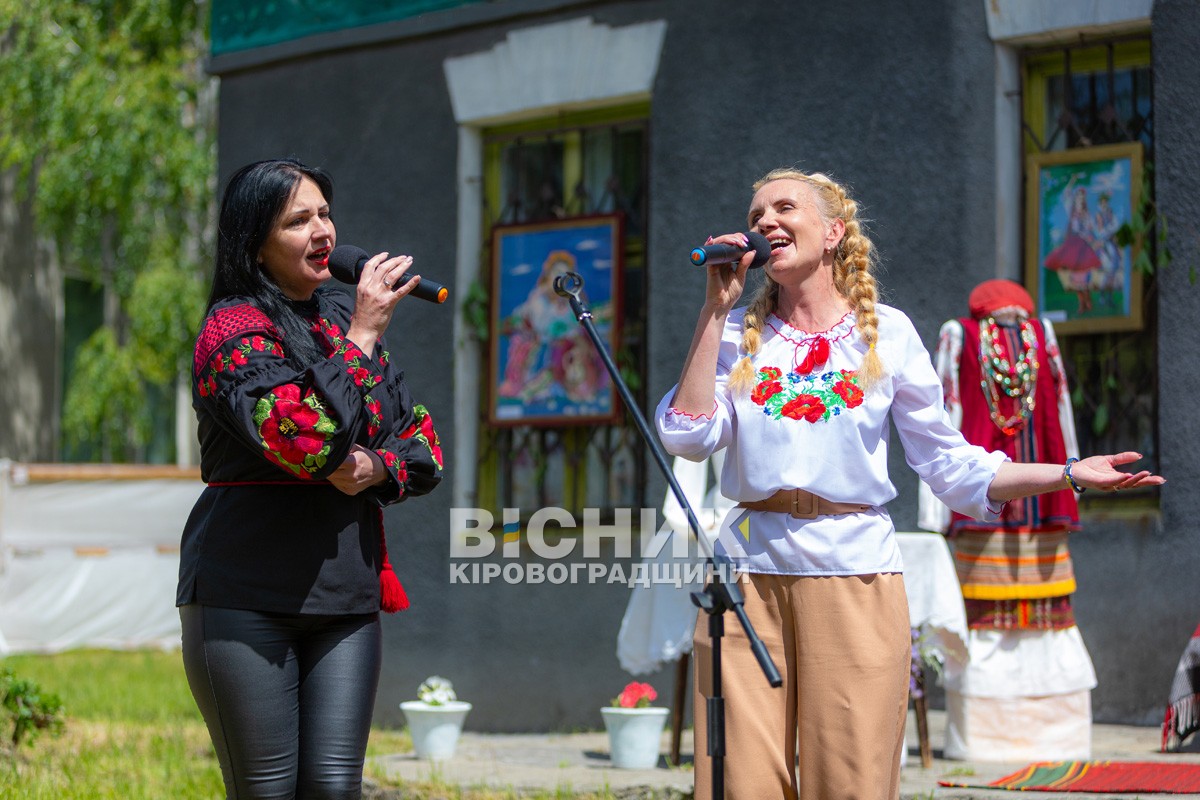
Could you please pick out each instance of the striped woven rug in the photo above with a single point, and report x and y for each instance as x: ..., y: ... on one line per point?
x: 1098, y: 776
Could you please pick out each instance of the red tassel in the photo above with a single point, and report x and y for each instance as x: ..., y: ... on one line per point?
x: 817, y: 355
x: 391, y: 593
x: 392, y: 597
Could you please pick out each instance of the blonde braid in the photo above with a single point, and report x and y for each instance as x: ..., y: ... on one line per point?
x: 742, y: 376
x: 856, y: 257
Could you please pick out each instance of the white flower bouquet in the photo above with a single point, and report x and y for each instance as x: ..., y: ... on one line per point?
x: 436, y: 691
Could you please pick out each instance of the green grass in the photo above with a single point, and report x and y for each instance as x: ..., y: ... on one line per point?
x: 133, y: 732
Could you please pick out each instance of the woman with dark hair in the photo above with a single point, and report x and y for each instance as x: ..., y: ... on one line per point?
x: 307, y: 430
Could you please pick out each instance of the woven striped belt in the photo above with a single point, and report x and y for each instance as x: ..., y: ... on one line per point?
x: 803, y: 504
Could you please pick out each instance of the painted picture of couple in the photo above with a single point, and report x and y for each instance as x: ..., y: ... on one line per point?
x: 1081, y: 275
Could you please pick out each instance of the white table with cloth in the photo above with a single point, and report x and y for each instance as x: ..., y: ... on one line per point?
x: 935, y: 607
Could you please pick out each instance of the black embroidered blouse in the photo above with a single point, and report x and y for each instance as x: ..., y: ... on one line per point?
x: 268, y: 533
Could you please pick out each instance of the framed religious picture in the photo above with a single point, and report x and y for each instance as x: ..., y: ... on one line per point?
x: 1081, y: 279
x: 544, y: 369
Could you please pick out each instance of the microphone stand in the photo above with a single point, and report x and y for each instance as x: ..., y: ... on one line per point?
x: 718, y: 596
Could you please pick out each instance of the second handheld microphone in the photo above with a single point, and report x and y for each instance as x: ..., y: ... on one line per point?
x: 346, y: 263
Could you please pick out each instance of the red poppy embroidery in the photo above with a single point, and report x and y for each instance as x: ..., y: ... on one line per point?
x: 374, y: 415
x: 394, y: 463
x: 350, y: 353
x: 804, y: 406
x: 812, y: 398
x: 223, y: 325
x: 423, y: 430
x: 765, y: 390
x: 849, y: 392
x: 294, y: 431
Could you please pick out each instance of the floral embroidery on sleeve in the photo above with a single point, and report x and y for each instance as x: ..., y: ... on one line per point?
x: 423, y: 430
x: 397, y: 465
x: 810, y: 398
x: 239, y: 356
x: 356, y: 367
x: 294, y: 431
x: 357, y: 364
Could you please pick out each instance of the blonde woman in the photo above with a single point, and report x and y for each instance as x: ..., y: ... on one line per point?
x: 801, y: 386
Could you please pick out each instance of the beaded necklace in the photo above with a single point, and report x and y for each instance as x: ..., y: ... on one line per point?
x: 1016, y: 380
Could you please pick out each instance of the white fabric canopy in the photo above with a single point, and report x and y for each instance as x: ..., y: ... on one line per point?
x: 90, y: 563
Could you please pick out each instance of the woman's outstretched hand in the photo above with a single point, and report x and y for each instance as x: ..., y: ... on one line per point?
x: 1101, y: 473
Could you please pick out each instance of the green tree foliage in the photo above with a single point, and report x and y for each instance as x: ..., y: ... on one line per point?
x: 108, y: 120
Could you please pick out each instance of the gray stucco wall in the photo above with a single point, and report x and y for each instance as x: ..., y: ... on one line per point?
x: 908, y: 129
x: 895, y: 100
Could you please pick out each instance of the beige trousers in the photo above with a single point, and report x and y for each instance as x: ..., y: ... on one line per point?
x: 843, y: 647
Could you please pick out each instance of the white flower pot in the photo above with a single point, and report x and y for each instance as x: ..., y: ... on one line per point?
x: 634, y: 735
x: 435, y: 729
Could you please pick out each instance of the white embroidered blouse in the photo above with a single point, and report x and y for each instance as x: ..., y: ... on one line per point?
x: 816, y: 430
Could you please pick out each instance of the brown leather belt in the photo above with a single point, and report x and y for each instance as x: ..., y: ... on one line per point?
x: 803, y: 504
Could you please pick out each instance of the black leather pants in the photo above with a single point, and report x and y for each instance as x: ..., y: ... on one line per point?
x: 287, y: 698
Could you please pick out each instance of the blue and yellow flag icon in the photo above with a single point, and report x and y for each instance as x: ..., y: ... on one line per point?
x: 743, y: 527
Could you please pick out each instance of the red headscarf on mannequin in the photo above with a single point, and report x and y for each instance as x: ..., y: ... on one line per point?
x: 998, y: 293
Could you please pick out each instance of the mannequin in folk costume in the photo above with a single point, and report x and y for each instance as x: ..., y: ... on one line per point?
x: 1025, y: 692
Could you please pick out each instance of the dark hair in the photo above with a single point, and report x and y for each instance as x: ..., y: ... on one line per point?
x: 255, y: 197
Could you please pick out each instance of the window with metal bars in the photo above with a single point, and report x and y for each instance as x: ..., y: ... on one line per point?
x: 572, y: 166
x: 1082, y: 95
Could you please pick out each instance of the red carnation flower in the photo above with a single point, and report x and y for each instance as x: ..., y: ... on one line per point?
x: 770, y: 373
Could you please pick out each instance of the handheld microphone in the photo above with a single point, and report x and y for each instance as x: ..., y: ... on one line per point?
x: 728, y: 253
x: 346, y: 263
